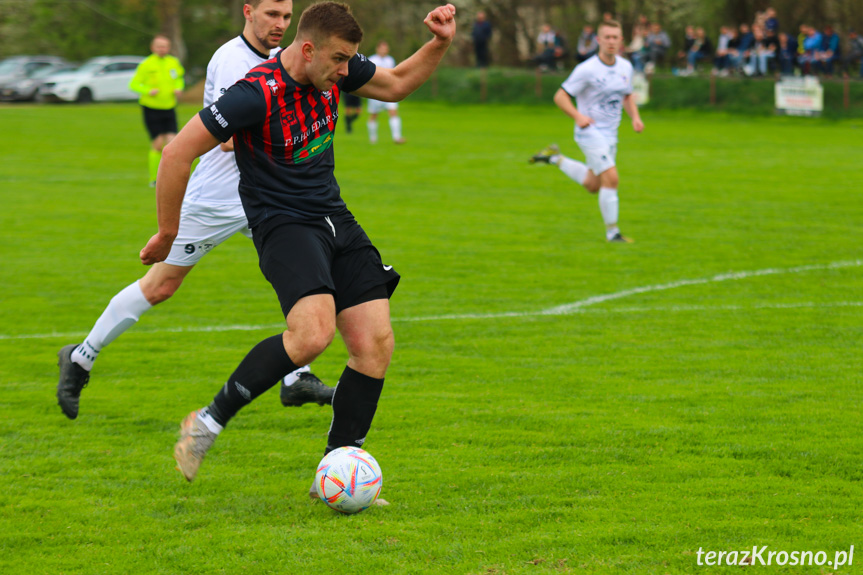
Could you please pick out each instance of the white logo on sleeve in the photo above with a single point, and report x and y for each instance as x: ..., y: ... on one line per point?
x: 218, y: 116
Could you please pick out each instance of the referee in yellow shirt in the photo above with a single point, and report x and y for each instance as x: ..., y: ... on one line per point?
x: 159, y: 80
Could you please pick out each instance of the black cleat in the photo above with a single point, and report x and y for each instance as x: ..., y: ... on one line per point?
x: 620, y: 239
x: 73, y: 378
x: 307, y: 389
x: 544, y: 155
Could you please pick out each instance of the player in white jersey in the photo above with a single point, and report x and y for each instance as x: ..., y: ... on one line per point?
x: 382, y: 59
x: 602, y: 88
x: 211, y: 213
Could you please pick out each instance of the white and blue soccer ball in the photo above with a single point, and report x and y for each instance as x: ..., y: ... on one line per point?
x: 349, y: 479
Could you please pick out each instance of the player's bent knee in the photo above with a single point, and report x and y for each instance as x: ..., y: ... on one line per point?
x: 308, y: 344
x: 375, y: 347
x: 609, y: 178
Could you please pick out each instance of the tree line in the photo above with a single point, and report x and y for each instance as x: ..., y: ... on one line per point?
x: 81, y: 29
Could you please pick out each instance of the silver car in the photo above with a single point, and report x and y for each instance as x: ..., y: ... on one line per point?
x: 20, y: 67
x: 98, y: 79
x: 25, y: 89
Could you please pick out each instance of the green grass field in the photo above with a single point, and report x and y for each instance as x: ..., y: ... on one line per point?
x: 555, y: 403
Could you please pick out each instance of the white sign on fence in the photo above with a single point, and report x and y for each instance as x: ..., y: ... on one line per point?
x: 640, y: 88
x: 800, y: 96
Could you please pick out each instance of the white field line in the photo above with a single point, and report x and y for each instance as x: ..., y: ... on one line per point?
x: 566, y: 309
x: 67, y: 179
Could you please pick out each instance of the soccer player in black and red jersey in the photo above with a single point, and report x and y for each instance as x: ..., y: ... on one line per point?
x: 323, y: 267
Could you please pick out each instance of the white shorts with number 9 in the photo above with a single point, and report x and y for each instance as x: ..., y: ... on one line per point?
x: 204, y: 227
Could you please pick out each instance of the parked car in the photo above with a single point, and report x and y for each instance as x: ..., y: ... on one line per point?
x: 98, y: 79
x: 20, y: 67
x: 25, y: 89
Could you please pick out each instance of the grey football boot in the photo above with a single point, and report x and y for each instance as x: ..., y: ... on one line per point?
x: 73, y: 378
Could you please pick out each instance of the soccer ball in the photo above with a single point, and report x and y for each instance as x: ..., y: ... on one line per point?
x: 348, y: 479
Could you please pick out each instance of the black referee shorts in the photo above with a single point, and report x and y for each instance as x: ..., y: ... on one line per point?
x: 327, y: 255
x: 160, y: 122
x: 351, y: 101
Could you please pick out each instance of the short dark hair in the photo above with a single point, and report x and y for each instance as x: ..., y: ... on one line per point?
x: 256, y: 3
x: 323, y: 20
x: 611, y: 24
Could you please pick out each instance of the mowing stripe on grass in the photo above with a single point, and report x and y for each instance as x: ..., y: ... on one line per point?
x: 570, y: 308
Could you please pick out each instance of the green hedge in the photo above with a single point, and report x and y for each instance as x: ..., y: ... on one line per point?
x: 524, y: 86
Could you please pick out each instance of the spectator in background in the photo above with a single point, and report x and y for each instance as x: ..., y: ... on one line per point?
x: 586, y: 44
x: 481, y: 35
x: 635, y: 51
x: 801, y: 36
x: 688, y: 41
x: 641, y: 23
x: 725, y: 43
x: 786, y: 54
x: 828, y: 51
x: 658, y: 43
x: 760, y: 55
x: 855, y: 53
x: 771, y: 22
x: 550, y: 48
x: 809, y: 45
x: 545, y: 47
x: 744, y: 44
x: 759, y: 20
x: 702, y: 49
x: 771, y: 41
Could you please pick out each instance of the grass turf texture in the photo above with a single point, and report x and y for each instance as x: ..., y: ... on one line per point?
x: 621, y: 437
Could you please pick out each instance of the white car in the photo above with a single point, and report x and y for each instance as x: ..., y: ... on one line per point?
x: 98, y: 79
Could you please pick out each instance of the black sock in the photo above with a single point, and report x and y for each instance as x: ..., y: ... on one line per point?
x: 261, y: 369
x: 354, y: 406
x: 349, y: 119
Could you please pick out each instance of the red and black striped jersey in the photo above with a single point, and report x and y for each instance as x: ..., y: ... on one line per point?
x: 283, y: 138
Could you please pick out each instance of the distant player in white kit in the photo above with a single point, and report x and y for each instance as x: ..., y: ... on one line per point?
x: 382, y: 59
x: 211, y: 213
x: 602, y: 87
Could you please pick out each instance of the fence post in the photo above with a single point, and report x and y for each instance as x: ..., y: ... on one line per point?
x: 846, y: 92
x: 712, y: 89
x: 538, y: 88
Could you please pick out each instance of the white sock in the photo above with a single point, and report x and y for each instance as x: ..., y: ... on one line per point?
x: 573, y: 168
x: 373, y: 131
x: 292, y: 377
x: 207, y: 419
x: 396, y: 127
x: 608, y: 208
x: 122, y: 312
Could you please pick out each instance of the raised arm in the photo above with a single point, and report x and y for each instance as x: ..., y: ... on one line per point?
x: 193, y: 140
x: 392, y: 85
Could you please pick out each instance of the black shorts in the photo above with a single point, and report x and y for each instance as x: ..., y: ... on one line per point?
x: 351, y: 101
x: 160, y: 122
x: 330, y: 255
